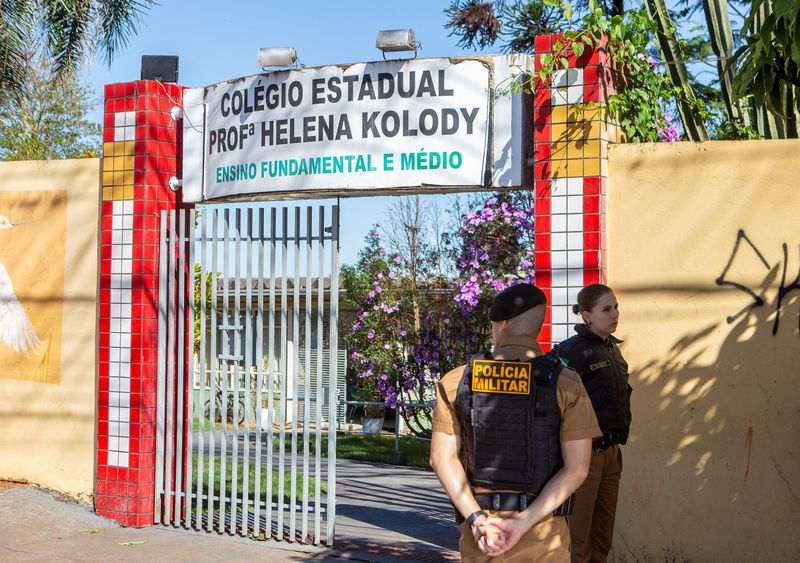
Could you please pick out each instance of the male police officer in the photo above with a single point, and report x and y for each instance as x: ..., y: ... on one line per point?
x: 526, y: 427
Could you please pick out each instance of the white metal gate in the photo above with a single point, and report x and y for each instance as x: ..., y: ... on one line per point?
x: 248, y: 298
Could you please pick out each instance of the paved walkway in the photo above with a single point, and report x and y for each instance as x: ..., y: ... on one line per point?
x: 385, y: 514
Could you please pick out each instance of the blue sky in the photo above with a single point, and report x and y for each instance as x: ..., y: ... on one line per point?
x: 217, y: 41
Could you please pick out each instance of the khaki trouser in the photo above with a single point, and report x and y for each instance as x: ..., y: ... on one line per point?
x: 547, y: 541
x: 591, y: 524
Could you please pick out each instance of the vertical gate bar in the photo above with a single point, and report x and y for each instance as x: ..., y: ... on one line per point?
x: 270, y: 360
x: 283, y: 364
x: 307, y: 417
x: 170, y: 380
x: 201, y: 357
x: 333, y: 334
x: 180, y: 375
x: 188, y: 323
x: 296, y: 374
x: 237, y: 364
x: 248, y: 361
x: 163, y: 282
x: 318, y: 402
x: 259, y: 360
x: 214, y: 368
x: 225, y: 369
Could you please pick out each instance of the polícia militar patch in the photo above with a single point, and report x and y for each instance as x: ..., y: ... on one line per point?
x: 496, y: 376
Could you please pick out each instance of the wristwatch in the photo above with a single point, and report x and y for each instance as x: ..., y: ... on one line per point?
x: 474, y: 516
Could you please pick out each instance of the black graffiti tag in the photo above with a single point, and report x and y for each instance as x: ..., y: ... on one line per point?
x: 758, y: 301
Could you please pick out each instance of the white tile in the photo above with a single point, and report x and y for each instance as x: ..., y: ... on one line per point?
x: 559, y: 277
x: 129, y: 133
x: 125, y: 370
x: 575, y: 258
x: 558, y: 205
x: 127, y: 221
x: 575, y: 204
x: 116, y: 236
x: 124, y: 429
x: 113, y: 416
x: 125, y: 356
x: 558, y: 186
x: 125, y: 384
x: 113, y: 458
x: 113, y: 354
x: 559, y: 314
x: 558, y: 259
x: 127, y: 206
x: 558, y: 97
x: 558, y: 241
x: 130, y: 118
x: 574, y: 241
x: 115, y: 310
x: 574, y: 186
x: 574, y: 222
x: 114, y: 339
x: 113, y: 401
x: 127, y: 237
x: 113, y: 383
x: 123, y: 459
x: 116, y: 254
x: 559, y: 332
x: 116, y: 221
x: 573, y: 294
x: 575, y: 278
x: 113, y: 443
x: 119, y: 119
x: 558, y: 224
x: 124, y: 340
x: 575, y: 94
x: 113, y: 323
x: 113, y: 427
x: 127, y: 252
x: 559, y: 79
x: 559, y: 296
x: 125, y: 412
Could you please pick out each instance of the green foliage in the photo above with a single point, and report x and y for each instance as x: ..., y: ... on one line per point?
x: 67, y: 33
x: 769, y: 61
x: 45, y: 118
x: 643, y: 91
x: 198, y: 295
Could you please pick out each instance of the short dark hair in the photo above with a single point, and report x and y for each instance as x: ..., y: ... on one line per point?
x: 589, y: 296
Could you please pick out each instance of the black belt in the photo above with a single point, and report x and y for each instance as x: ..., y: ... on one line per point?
x: 518, y: 502
x: 608, y: 439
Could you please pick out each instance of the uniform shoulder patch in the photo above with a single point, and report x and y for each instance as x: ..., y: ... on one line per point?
x: 500, y: 376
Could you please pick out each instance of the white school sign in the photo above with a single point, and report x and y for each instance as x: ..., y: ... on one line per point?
x: 338, y: 129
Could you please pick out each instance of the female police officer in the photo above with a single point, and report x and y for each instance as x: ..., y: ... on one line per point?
x: 594, y: 354
x: 525, y: 426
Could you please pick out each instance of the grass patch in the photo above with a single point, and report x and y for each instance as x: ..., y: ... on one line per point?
x: 251, y: 481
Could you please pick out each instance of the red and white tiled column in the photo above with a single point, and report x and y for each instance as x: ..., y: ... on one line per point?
x: 141, y: 152
x: 570, y: 169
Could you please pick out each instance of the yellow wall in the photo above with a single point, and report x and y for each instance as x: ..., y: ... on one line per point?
x: 712, y: 469
x: 47, y: 394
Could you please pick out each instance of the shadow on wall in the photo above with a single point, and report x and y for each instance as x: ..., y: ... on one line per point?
x: 712, y: 464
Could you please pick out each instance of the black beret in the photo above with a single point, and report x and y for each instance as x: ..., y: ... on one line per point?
x: 515, y: 300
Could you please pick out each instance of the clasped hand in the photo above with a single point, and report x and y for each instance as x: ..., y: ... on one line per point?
x: 497, y: 535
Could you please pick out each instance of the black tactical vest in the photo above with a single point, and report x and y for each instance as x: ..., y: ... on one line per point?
x: 604, y: 373
x: 509, y: 430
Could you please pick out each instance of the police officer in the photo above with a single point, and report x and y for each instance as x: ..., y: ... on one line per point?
x: 524, y: 426
x: 594, y: 353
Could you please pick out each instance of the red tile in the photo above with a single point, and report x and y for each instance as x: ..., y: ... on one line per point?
x: 543, y: 190
x: 591, y: 186
x: 591, y: 276
x: 542, y: 224
x: 542, y: 97
x: 542, y: 260
x: 541, y: 134
x: 592, y: 93
x: 541, y: 171
x: 541, y: 43
x: 541, y: 207
x: 591, y: 204
x: 591, y: 258
x: 591, y: 222
x: 542, y: 151
x: 542, y: 242
x: 591, y: 241
x: 544, y: 278
x: 544, y: 337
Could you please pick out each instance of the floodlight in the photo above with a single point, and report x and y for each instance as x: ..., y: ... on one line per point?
x: 277, y: 56
x: 393, y: 40
x: 163, y: 68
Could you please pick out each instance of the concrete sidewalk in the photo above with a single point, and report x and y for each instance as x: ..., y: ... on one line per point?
x: 385, y: 514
